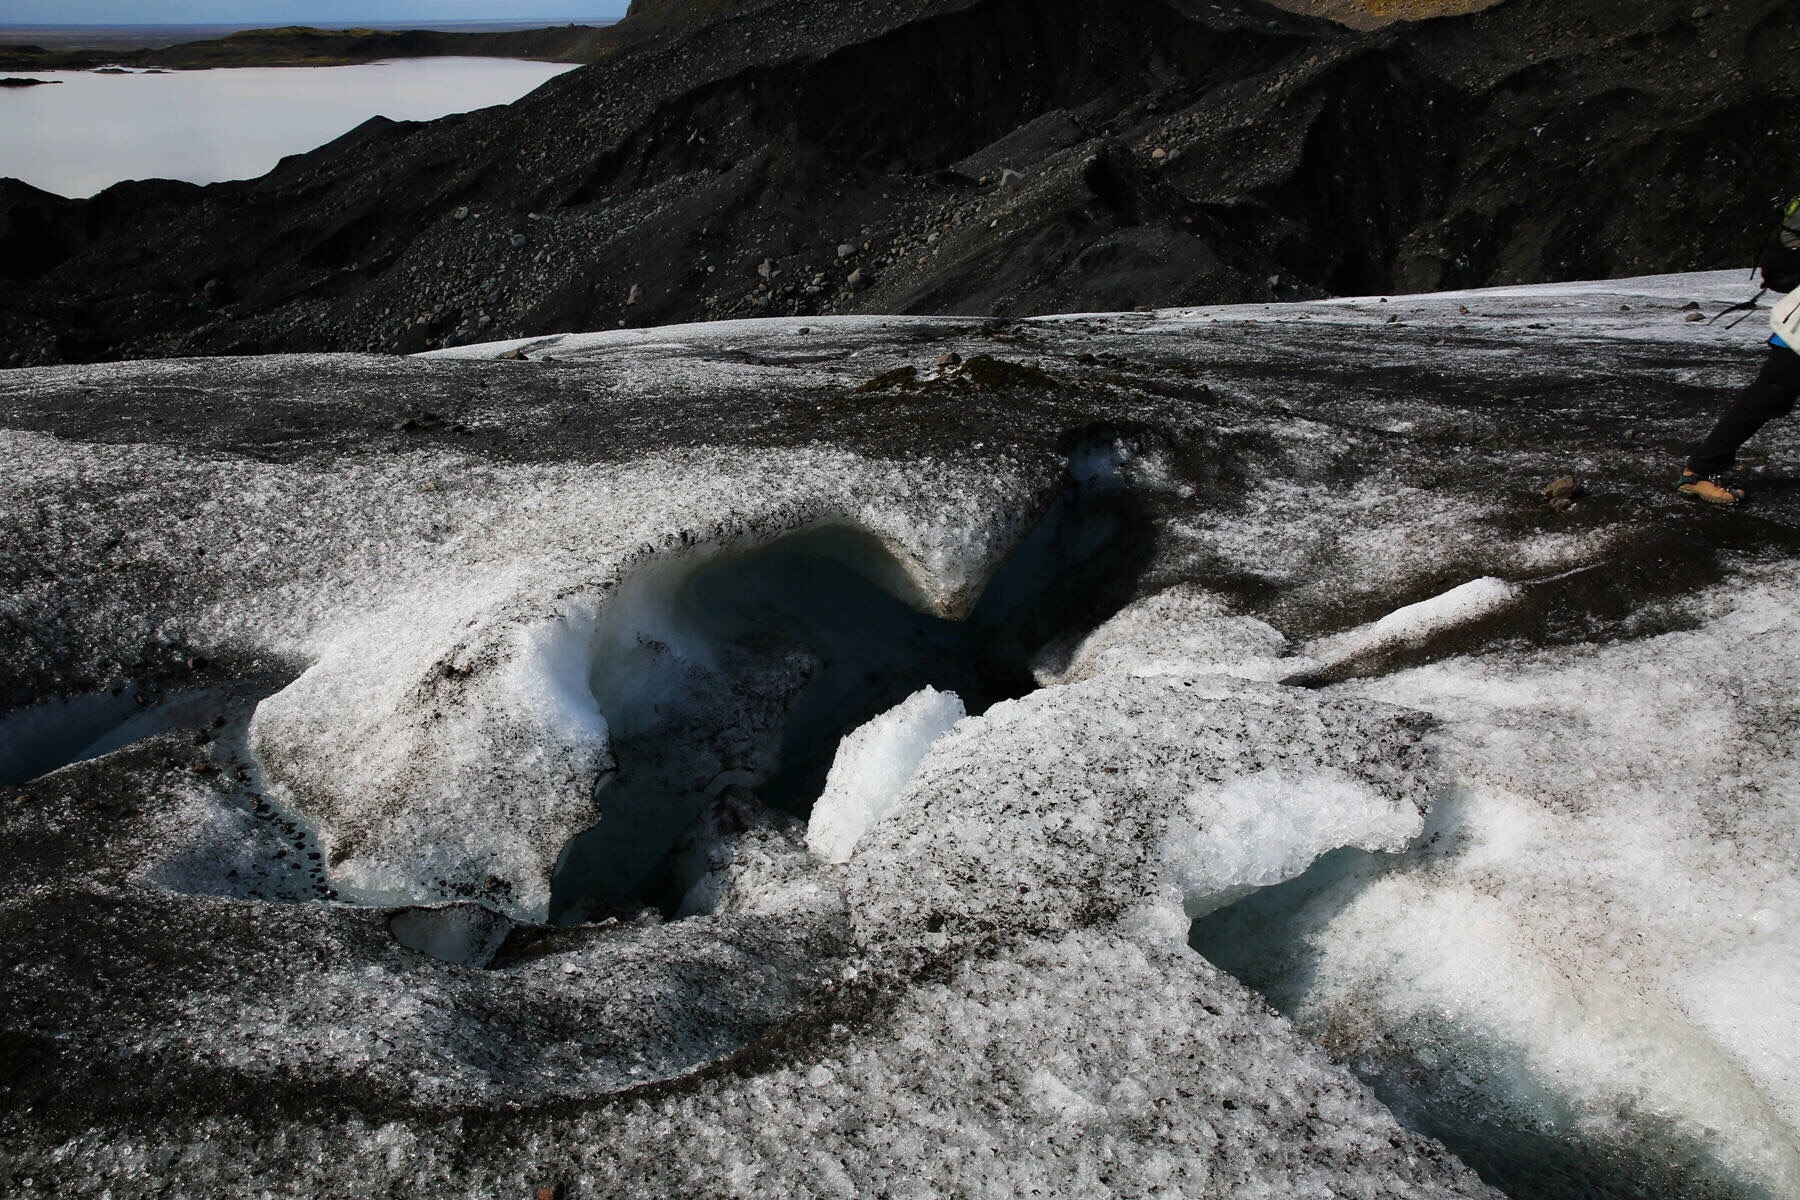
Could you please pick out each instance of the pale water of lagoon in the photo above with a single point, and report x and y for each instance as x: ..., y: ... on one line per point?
x: 91, y: 131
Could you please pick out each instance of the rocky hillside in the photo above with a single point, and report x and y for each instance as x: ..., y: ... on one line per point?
x: 994, y: 157
x: 1373, y: 14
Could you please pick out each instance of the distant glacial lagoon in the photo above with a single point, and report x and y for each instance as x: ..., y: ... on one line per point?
x: 91, y: 131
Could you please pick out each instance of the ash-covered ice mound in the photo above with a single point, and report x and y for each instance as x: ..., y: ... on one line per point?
x: 1149, y: 799
x: 1182, y: 630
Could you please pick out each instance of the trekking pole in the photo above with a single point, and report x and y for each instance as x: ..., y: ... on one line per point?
x: 1748, y: 306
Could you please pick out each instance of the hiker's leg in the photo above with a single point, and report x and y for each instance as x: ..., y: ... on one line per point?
x: 1770, y: 395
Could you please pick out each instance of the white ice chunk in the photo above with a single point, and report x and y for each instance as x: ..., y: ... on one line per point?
x: 1416, y: 624
x: 873, y: 765
x: 1268, y: 826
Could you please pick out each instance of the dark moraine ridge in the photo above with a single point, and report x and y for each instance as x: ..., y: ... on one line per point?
x: 304, y: 46
x: 1002, y: 157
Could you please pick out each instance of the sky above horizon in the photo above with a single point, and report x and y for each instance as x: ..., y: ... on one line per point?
x: 299, y: 12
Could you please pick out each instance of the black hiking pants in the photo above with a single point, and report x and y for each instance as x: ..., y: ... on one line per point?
x: 1770, y: 395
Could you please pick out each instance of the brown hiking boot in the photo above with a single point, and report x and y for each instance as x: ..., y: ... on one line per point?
x: 1699, y: 487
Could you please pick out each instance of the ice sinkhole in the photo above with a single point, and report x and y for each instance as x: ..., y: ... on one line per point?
x: 716, y: 666
x: 746, y: 668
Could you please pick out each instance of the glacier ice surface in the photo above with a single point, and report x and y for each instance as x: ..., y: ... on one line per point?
x: 1550, y: 890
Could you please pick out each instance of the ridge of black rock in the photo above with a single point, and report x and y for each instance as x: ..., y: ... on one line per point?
x: 305, y: 46
x: 1000, y: 157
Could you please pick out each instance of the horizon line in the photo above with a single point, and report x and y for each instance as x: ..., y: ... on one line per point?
x: 267, y: 25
